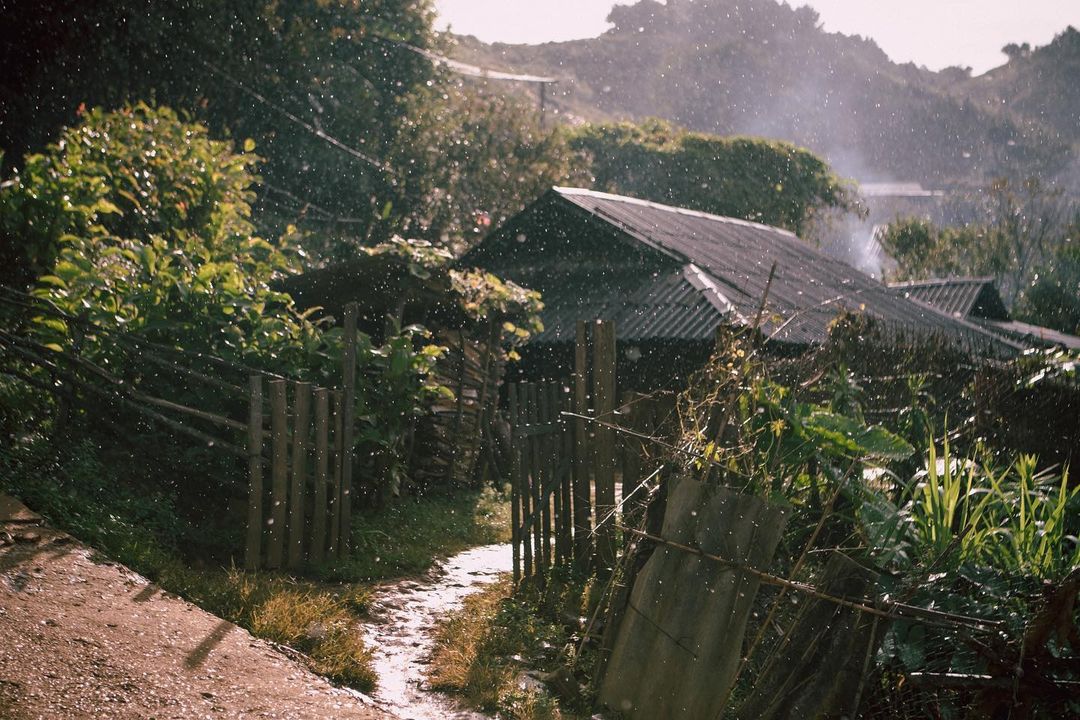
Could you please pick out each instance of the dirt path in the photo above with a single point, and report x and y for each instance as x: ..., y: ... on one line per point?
x: 83, y: 639
x: 406, y: 611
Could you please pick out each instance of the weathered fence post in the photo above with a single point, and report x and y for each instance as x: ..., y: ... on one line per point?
x: 565, y: 445
x: 348, y: 386
x: 279, y: 473
x: 301, y: 431
x: 543, y: 469
x: 334, y: 542
x: 322, y: 461
x: 582, y: 499
x: 632, y: 447
x: 535, y: 462
x: 604, y: 457
x: 524, y: 470
x: 515, y: 482
x: 253, y: 548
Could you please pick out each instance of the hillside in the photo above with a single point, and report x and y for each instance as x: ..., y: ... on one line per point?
x: 760, y: 68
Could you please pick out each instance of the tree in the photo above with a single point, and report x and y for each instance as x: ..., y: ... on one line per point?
x: 766, y: 181
x: 1012, y: 230
x: 316, y: 83
x: 473, y: 158
x: 1053, y: 299
x: 137, y: 220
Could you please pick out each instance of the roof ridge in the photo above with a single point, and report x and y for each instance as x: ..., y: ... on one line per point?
x: 670, y: 208
x: 963, y: 280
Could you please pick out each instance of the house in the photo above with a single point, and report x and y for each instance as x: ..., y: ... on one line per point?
x: 977, y: 300
x: 670, y: 277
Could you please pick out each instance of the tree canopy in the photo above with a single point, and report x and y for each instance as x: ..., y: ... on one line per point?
x: 766, y: 181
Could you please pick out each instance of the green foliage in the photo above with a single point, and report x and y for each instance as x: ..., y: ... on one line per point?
x: 335, y: 65
x: 975, y: 512
x: 765, y: 181
x: 1016, y: 230
x: 136, y: 221
x: 474, y: 158
x: 1053, y: 299
x: 406, y: 537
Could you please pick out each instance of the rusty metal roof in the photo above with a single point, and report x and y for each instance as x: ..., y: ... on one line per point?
x: 714, y: 270
x: 966, y: 297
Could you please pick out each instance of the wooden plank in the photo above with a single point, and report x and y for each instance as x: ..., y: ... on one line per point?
x: 515, y: 482
x: 631, y: 446
x: 334, y: 540
x: 582, y: 500
x: 253, y: 545
x: 319, y: 508
x: 525, y: 461
x: 566, y: 439
x: 534, y: 485
x: 301, y: 438
x: 604, y: 458
x: 279, y: 473
x: 348, y: 387
x: 543, y: 399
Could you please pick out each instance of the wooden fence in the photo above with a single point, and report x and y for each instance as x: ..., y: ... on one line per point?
x: 579, y: 459
x: 304, y: 515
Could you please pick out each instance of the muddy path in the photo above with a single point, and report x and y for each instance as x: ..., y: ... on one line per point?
x: 406, y: 612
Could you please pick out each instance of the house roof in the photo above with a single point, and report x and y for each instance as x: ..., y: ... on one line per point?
x: 715, y: 271
x: 966, y: 297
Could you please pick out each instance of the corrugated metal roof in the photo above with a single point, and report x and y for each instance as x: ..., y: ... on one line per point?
x: 717, y: 271
x: 954, y: 296
x: 1033, y: 334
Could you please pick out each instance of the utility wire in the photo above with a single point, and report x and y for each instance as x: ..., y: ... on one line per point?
x: 328, y: 139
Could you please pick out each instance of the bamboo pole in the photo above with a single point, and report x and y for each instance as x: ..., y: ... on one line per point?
x: 582, y: 500
x: 300, y: 438
x: 333, y: 549
x: 524, y: 460
x: 253, y: 545
x: 543, y: 481
x: 515, y: 479
x: 322, y: 461
x: 279, y: 473
x: 604, y: 458
x: 566, y: 449
x: 534, y: 485
x: 349, y: 399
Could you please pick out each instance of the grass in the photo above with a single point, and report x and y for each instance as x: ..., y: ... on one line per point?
x: 481, y: 652
x: 319, y: 616
x: 407, y: 537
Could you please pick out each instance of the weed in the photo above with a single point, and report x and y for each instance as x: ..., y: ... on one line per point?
x: 482, y: 652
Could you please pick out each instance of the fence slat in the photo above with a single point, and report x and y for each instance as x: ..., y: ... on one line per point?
x: 348, y: 386
x: 604, y: 458
x: 631, y: 446
x: 515, y: 482
x: 582, y: 501
x: 335, y: 491
x: 253, y: 546
x: 543, y: 480
x: 566, y: 477
x: 525, y: 461
x: 279, y: 473
x: 319, y: 508
x: 534, y: 485
x: 301, y: 432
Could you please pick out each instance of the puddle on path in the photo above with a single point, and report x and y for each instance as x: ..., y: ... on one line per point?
x: 407, y: 611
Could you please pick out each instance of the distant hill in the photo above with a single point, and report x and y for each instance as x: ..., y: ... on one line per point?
x: 761, y: 68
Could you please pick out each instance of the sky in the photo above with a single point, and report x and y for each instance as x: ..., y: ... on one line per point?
x: 934, y: 33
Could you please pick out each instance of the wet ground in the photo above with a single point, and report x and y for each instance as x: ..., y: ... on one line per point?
x: 407, y: 612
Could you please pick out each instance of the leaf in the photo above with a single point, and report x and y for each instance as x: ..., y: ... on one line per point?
x: 249, y: 145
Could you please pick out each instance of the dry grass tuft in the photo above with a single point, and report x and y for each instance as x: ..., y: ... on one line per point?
x: 320, y: 625
x: 478, y: 655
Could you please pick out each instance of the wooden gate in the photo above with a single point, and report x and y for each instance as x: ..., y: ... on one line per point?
x: 579, y: 459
